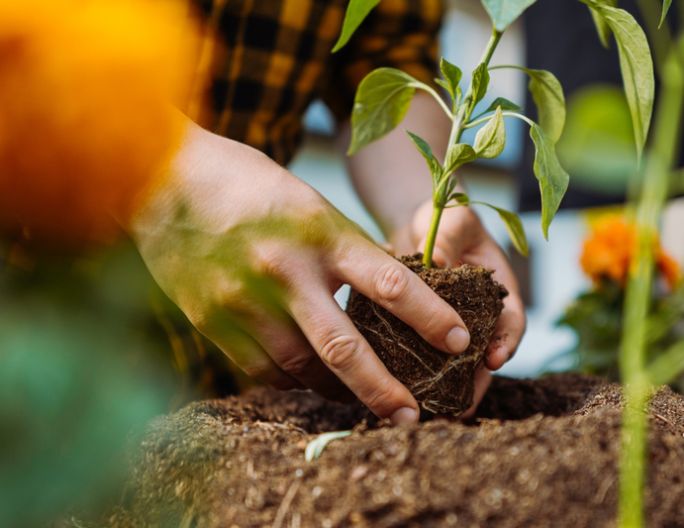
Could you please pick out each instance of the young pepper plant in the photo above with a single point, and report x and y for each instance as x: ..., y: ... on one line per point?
x: 384, y: 96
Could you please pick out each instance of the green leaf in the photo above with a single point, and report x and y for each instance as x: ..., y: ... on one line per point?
x: 458, y: 155
x: 504, y: 12
x: 668, y: 365
x: 636, y: 65
x: 553, y: 180
x: 490, y: 140
x: 597, y: 146
x: 514, y: 227
x: 381, y: 102
x: 549, y: 99
x: 452, y: 75
x: 460, y: 198
x: 666, y: 7
x: 425, y: 150
x: 602, y: 27
x: 357, y: 11
x: 504, y: 103
x: 444, y: 84
x: 479, y: 84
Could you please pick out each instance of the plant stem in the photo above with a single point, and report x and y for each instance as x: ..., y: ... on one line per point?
x: 432, y: 235
x: 461, y: 117
x: 638, y: 295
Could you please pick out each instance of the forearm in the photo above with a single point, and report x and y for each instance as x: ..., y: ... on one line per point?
x: 390, y: 175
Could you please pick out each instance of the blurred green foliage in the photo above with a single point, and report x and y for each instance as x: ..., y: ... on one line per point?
x: 84, y: 365
x: 596, y: 317
x: 597, y: 146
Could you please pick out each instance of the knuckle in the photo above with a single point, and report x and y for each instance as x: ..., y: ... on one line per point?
x: 271, y: 263
x: 391, y: 282
x: 297, y: 365
x: 258, y: 370
x: 340, y: 352
x: 381, y: 400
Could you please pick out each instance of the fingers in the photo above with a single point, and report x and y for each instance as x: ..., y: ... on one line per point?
x: 347, y: 354
x: 510, y: 327
x: 508, y: 333
x: 483, y: 379
x: 289, y: 349
x: 246, y: 352
x: 393, y: 286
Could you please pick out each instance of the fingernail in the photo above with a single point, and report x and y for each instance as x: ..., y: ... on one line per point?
x: 405, y: 415
x: 457, y: 340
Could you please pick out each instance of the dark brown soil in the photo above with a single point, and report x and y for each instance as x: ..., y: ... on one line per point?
x: 440, y: 383
x: 540, y: 454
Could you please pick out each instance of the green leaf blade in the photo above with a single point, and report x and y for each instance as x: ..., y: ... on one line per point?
x: 553, y: 180
x: 452, y: 75
x: 479, y: 84
x: 505, y: 105
x: 490, y: 140
x: 457, y: 156
x: 602, y: 28
x: 357, y: 11
x: 547, y: 94
x: 425, y: 150
x: 667, y: 4
x: 381, y: 102
x: 636, y: 65
x: 504, y: 12
x: 667, y: 366
x: 460, y: 198
x: 514, y: 226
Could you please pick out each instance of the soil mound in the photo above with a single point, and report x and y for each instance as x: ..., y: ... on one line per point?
x: 540, y: 453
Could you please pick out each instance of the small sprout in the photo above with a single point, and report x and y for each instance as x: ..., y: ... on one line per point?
x: 315, y: 448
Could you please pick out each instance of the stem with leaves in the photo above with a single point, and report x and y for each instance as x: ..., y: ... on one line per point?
x: 459, y: 120
x: 637, y: 378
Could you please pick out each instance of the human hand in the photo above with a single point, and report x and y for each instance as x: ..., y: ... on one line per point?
x: 463, y: 239
x: 228, y: 215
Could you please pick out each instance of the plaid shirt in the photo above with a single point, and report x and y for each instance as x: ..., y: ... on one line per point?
x: 272, y: 59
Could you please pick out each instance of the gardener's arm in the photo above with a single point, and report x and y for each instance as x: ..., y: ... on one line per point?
x: 393, y: 181
x: 225, y: 218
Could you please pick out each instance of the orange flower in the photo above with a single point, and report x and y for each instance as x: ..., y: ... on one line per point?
x: 86, y: 119
x: 669, y: 269
x: 608, y: 252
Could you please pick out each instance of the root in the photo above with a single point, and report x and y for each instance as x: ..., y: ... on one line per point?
x: 395, y: 339
x: 285, y: 505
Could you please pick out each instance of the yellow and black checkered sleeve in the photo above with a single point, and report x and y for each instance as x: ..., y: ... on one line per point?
x: 401, y: 34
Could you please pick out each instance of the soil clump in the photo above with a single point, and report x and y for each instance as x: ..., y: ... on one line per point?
x: 441, y: 383
x: 539, y: 453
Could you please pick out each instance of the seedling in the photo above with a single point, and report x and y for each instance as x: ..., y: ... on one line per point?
x: 315, y: 448
x: 384, y: 96
x: 382, y: 102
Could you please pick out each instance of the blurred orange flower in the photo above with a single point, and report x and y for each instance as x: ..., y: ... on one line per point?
x: 86, y: 116
x: 610, y: 247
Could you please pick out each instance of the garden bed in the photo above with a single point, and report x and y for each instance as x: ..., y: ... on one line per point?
x: 539, y: 453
